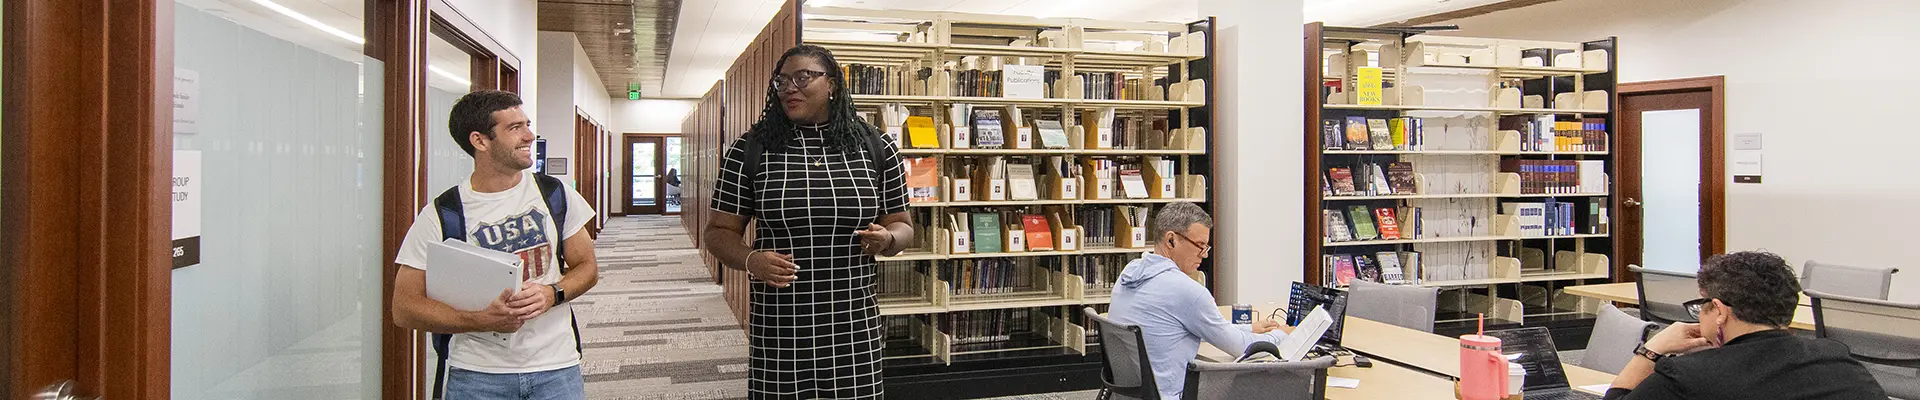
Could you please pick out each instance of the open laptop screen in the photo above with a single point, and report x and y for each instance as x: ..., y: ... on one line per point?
x: 1537, y: 355
x: 1304, y: 297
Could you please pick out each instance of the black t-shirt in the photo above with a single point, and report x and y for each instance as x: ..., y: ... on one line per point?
x: 1761, y: 365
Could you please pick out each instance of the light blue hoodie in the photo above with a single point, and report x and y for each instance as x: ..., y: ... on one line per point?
x: 1175, y: 314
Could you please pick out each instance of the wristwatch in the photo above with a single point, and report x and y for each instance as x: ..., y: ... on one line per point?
x: 559, y: 295
x: 1649, y: 354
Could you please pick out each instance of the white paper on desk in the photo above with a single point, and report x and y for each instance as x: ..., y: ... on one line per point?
x: 468, y: 277
x: 1348, y: 383
x: 1295, y: 345
x: 1600, y: 389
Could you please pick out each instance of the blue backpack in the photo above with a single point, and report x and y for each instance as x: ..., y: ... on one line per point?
x: 453, y: 225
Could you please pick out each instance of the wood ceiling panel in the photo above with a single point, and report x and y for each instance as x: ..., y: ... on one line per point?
x: 627, y: 41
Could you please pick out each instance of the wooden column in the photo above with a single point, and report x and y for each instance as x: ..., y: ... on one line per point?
x: 397, y: 36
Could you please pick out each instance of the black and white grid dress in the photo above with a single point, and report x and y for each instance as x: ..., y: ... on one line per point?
x: 822, y: 336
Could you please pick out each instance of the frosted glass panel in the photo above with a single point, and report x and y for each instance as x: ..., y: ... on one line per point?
x: 447, y: 163
x: 286, y: 301
x: 1670, y: 185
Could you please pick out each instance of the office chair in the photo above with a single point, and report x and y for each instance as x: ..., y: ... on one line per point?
x: 1408, y: 307
x: 1661, y: 293
x: 1126, y: 373
x: 1615, y: 335
x: 1884, y: 335
x: 1298, y: 380
x: 1862, y: 282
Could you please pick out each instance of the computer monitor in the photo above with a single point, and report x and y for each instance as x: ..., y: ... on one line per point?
x: 1304, y: 297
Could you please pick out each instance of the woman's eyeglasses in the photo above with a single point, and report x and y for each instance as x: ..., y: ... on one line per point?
x: 1693, y: 306
x: 797, y: 81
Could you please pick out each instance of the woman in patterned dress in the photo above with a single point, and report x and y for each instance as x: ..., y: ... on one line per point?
x: 827, y: 200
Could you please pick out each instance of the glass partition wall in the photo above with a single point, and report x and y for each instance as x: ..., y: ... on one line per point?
x: 282, y: 112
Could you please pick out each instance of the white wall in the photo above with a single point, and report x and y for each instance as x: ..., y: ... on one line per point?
x: 1257, y: 131
x: 1820, y: 80
x: 511, y: 22
x: 567, y: 81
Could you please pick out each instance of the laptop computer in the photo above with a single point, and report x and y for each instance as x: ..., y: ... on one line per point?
x: 1302, y: 300
x: 1546, y: 377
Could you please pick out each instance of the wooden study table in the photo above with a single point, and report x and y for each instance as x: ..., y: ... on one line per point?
x: 1627, y: 293
x: 1431, y: 353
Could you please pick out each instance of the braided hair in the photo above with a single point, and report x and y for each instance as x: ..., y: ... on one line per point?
x: 845, y: 131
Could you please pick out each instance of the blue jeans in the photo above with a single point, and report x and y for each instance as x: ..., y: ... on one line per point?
x: 559, y: 384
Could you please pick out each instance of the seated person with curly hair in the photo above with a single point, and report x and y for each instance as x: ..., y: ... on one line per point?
x: 1741, y: 348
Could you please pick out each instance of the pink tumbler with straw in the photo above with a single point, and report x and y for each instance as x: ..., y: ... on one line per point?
x: 1483, y: 369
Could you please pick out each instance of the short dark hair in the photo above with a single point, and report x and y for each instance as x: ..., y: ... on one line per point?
x: 1758, y: 285
x: 474, y: 113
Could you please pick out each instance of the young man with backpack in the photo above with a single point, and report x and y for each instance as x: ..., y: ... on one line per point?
x: 526, y: 344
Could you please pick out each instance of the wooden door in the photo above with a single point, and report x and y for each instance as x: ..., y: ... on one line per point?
x: 84, y: 199
x: 645, y: 175
x: 1662, y: 125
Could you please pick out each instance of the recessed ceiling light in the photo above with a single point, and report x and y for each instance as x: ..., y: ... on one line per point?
x: 316, y: 24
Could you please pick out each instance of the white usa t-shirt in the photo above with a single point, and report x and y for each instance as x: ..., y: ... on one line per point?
x: 514, y: 221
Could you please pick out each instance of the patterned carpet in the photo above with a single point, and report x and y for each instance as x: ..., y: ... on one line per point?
x: 656, y: 327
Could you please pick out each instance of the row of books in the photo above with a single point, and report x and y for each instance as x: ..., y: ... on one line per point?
x: 1387, y: 267
x: 985, y: 326
x: 1558, y: 176
x: 1004, y: 231
x: 900, y: 280
x: 1546, y: 133
x: 1111, y: 86
x: 996, y: 178
x: 886, y: 79
x: 1098, y: 223
x: 1558, y: 218
x: 987, y: 276
x: 1362, y: 133
x: 977, y: 83
x: 1360, y: 222
x: 1099, y: 271
x: 1369, y: 179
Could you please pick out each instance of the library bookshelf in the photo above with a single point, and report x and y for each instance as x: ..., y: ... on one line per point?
x: 1470, y: 123
x: 1115, y: 97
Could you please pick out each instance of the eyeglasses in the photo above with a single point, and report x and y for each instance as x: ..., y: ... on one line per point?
x: 797, y: 81
x: 1694, y: 306
x: 1204, y: 248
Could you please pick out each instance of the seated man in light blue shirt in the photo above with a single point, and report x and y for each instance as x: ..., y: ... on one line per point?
x: 1174, y: 312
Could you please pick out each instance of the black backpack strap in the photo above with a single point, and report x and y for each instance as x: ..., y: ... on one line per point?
x: 453, y: 225
x: 555, y: 192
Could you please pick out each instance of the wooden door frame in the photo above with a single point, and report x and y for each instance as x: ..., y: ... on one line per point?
x: 1713, y: 179
x: 87, y: 215
x: 626, y: 170
x: 585, y: 164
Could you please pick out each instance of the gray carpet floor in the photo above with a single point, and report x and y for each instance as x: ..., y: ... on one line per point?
x: 657, y: 328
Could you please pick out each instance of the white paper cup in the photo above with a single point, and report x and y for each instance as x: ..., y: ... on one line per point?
x: 1516, y: 378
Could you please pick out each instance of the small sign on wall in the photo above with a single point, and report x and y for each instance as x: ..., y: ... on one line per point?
x: 186, y: 208
x: 186, y: 101
x: 1746, y: 157
x: 557, y: 166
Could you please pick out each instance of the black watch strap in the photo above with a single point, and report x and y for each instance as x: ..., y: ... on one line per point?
x: 1649, y: 354
x: 559, y: 295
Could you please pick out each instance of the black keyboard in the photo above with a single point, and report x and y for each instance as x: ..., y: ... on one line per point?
x: 1569, y: 394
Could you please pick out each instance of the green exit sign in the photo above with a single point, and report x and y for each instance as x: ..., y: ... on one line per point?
x: 633, y: 95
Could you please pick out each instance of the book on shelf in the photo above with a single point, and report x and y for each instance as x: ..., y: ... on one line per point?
x: 986, y: 232
x: 1052, y: 134
x: 921, y: 134
x: 1400, y: 177
x: 1367, y: 85
x: 1134, y: 220
x: 1337, y: 229
x: 1039, y: 232
x: 1014, y: 232
x: 1597, y: 218
x: 1132, y: 183
x: 1098, y: 127
x: 1366, y: 268
x: 1331, y: 136
x: 1410, y: 261
x: 923, y: 179
x: 1357, y: 135
x: 987, y: 131
x: 1378, y: 135
x: 1390, y: 271
x: 907, y: 79
x: 1363, y: 228
x: 962, y: 233
x: 1342, y: 178
x: 1343, y: 269
x: 1389, y: 227
x: 1410, y: 222
x: 893, y: 120
x: 1531, y: 217
x: 1377, y: 180
x: 1020, y: 182
x: 1096, y: 224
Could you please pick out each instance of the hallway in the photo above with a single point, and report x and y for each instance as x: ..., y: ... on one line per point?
x: 656, y: 326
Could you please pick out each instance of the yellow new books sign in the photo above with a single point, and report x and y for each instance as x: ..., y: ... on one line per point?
x: 1367, y: 86
x: 920, y: 133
